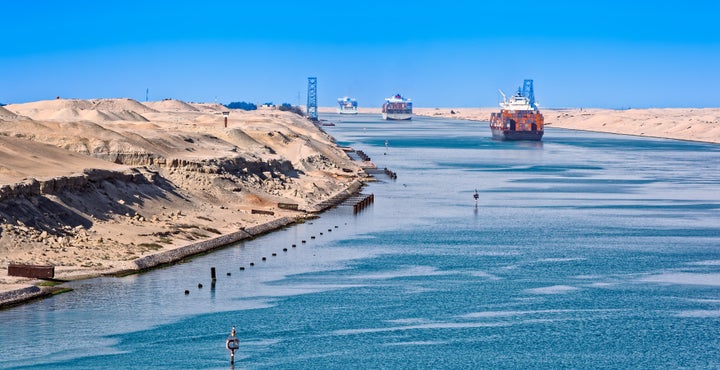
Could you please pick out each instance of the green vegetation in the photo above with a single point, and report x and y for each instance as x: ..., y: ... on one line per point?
x: 49, y: 283
x: 241, y: 105
x: 61, y: 291
x: 287, y: 107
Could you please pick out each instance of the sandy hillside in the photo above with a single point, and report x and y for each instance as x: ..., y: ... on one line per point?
x: 91, y: 186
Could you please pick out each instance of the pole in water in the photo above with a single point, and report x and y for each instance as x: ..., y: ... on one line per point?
x: 232, y: 343
x: 476, y: 196
x: 386, y: 147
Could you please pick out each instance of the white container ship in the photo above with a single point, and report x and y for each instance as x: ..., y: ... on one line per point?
x: 397, y: 108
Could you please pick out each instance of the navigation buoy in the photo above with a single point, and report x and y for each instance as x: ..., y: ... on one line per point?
x: 476, y: 196
x: 232, y: 343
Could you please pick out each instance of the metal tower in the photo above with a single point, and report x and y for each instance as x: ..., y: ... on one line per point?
x: 527, y: 91
x: 312, y: 99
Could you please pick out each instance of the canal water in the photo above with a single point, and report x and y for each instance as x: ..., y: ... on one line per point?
x: 586, y: 250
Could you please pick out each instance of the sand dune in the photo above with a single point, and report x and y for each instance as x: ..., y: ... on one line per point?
x: 100, y: 110
x: 6, y: 114
x: 171, y: 105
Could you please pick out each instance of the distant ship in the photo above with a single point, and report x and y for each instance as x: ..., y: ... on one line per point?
x: 397, y: 108
x: 347, y: 106
x: 519, y: 118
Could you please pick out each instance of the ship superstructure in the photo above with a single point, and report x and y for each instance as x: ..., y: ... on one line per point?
x: 519, y: 117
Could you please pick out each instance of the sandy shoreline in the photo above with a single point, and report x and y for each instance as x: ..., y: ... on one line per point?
x: 110, y: 186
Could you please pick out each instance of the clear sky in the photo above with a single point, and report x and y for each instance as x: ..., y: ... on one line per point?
x: 612, y: 54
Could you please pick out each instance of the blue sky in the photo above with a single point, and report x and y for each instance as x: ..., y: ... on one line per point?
x: 612, y: 54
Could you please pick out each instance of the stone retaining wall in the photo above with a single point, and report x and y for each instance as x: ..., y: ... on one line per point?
x: 175, y: 255
x: 19, y: 295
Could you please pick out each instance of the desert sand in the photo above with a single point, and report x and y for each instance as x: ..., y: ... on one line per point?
x: 693, y: 124
x: 107, y: 186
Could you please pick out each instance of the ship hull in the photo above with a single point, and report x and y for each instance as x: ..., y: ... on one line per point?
x: 347, y: 111
x: 397, y: 116
x: 517, y: 125
x: 508, y: 135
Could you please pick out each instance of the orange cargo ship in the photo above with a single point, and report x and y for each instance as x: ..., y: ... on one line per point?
x: 519, y: 118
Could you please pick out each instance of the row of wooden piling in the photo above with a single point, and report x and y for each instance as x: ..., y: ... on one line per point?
x: 362, y: 155
x: 360, y: 201
x: 391, y: 174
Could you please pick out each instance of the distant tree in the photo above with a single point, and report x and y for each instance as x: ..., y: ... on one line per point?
x: 241, y: 105
x: 287, y: 107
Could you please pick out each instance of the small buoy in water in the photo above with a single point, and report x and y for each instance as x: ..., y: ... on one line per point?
x: 242, y: 268
x: 303, y: 241
x: 312, y: 237
x: 329, y: 230
x: 274, y: 254
x: 320, y: 233
x: 294, y: 245
x: 228, y: 274
x: 232, y: 343
x: 264, y: 258
x: 284, y: 249
x: 187, y: 292
x: 336, y: 226
x: 252, y: 263
x: 199, y: 286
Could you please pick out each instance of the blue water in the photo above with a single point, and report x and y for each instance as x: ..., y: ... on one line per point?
x: 587, y: 250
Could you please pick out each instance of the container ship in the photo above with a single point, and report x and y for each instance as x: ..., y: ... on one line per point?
x: 397, y: 108
x: 347, y: 106
x: 519, y: 118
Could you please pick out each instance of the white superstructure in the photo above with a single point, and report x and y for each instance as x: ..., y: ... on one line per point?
x: 515, y: 103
